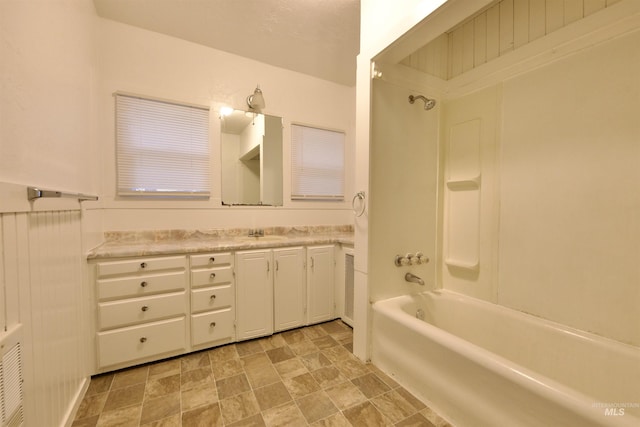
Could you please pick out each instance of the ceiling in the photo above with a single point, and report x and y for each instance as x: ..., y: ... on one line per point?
x: 320, y: 38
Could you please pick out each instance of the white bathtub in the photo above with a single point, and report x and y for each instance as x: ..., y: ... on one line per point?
x: 480, y: 364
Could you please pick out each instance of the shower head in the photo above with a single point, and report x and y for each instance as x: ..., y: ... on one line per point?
x: 428, y: 102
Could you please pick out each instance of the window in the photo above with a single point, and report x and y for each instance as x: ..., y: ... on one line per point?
x: 317, y: 164
x: 162, y: 148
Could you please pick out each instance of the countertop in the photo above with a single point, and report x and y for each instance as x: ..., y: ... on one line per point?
x: 171, y: 242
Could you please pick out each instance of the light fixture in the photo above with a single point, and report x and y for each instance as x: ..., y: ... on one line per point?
x: 225, y: 111
x: 256, y: 101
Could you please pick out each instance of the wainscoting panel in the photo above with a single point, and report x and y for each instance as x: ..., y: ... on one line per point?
x: 42, y: 294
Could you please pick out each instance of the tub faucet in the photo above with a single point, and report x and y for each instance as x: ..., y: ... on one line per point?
x: 410, y: 277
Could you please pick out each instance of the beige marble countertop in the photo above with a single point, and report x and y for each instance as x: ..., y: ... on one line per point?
x: 170, y: 242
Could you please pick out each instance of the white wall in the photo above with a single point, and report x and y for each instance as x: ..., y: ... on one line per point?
x: 47, y: 139
x: 148, y: 63
x: 46, y: 100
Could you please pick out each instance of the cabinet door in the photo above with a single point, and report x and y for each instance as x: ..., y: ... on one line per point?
x: 320, y: 281
x: 254, y: 308
x: 289, y: 288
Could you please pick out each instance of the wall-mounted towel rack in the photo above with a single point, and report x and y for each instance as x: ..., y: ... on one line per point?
x: 37, y: 193
x: 360, y: 195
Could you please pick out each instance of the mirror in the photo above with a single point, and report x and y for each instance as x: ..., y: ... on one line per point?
x: 251, y: 150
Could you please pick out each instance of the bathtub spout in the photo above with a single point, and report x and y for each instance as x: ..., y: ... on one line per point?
x: 410, y: 277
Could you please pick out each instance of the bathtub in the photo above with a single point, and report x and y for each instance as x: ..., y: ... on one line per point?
x: 481, y: 364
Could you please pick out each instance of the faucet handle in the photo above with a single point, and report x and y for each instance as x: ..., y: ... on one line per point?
x: 415, y: 259
x: 422, y: 259
x: 410, y: 259
x: 401, y: 261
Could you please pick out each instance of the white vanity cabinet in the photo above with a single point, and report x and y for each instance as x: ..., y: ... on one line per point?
x: 320, y: 283
x: 141, y: 310
x: 156, y: 307
x: 254, y: 293
x: 212, y: 299
x: 276, y: 292
x: 289, y: 288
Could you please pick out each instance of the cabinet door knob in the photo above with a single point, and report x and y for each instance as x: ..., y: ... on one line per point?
x: 212, y: 259
x: 143, y: 265
x: 212, y: 324
x: 145, y: 308
x: 212, y: 297
x: 143, y: 284
x: 143, y: 339
x: 212, y: 276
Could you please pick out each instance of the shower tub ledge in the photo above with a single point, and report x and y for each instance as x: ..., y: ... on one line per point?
x: 481, y: 364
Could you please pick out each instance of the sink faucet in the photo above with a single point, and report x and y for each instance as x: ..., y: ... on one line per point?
x: 258, y: 232
x: 410, y: 277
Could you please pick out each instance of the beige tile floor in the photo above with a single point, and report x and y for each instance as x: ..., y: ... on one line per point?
x: 302, y: 377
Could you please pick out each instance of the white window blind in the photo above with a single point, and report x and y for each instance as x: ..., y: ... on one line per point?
x: 162, y: 148
x: 317, y: 163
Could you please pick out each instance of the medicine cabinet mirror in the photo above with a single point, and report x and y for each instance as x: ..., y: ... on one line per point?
x: 251, y: 153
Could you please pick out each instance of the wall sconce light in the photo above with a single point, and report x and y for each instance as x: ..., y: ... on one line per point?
x: 256, y: 101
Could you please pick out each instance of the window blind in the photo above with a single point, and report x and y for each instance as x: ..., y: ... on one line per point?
x: 162, y: 148
x: 317, y: 163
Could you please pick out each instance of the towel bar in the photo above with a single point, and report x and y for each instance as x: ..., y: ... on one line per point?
x: 37, y: 193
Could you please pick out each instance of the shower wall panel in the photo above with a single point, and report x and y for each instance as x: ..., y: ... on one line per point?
x: 569, y: 199
x: 403, y: 188
x: 462, y: 196
x: 470, y: 160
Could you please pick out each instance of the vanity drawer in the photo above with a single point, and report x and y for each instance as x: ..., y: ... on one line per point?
x: 212, y: 326
x: 136, y: 310
x: 143, y: 341
x: 123, y: 287
x: 141, y: 265
x: 212, y: 277
x: 212, y: 298
x: 211, y: 260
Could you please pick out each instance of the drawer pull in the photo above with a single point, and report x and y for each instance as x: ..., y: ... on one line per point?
x: 212, y: 276
x: 143, y: 265
x: 212, y: 259
x: 143, y: 339
x: 212, y: 297
x: 144, y: 284
x: 212, y: 324
x: 145, y: 308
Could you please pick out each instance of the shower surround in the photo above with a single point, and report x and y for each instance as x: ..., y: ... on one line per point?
x: 520, y: 186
